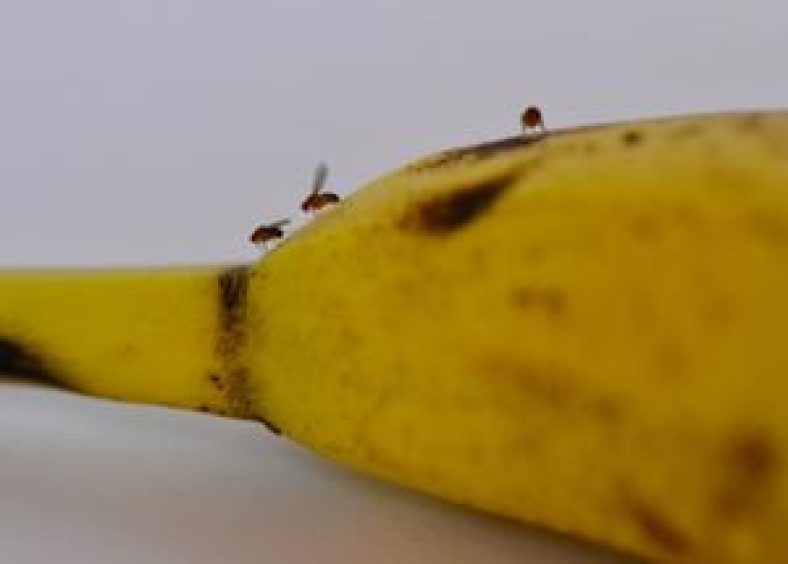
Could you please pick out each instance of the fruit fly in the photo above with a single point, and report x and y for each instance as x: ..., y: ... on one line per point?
x: 268, y: 232
x: 317, y: 199
x: 531, y: 120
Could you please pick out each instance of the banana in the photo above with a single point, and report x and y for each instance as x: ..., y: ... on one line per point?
x: 583, y: 330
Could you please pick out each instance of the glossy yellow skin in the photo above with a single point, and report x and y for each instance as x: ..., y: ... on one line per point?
x: 584, y: 331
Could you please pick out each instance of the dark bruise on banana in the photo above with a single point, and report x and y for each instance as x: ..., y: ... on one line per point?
x: 233, y: 380
x: 18, y: 360
x: 448, y: 212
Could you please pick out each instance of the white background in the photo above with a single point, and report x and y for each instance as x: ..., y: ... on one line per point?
x: 161, y: 131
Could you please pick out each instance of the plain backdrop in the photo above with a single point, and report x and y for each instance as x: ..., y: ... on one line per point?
x: 162, y: 131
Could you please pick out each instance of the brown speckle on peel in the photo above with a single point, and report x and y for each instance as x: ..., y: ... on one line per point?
x: 549, y: 300
x: 748, y: 467
x: 547, y: 385
x: 216, y: 381
x: 755, y: 456
x: 632, y: 137
x: 656, y: 527
x: 451, y: 211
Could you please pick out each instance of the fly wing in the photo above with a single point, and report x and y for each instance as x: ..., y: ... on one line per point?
x: 280, y: 223
x: 321, y: 173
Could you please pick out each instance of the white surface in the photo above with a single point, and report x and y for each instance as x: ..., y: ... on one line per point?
x: 85, y: 481
x: 161, y: 131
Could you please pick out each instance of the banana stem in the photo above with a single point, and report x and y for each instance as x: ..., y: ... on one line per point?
x: 169, y: 336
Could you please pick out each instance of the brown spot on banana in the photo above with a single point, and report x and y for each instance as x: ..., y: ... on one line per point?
x: 632, y: 137
x: 751, y: 463
x: 755, y: 455
x: 216, y: 381
x: 550, y: 387
x: 19, y: 361
x: 449, y: 212
x: 548, y: 300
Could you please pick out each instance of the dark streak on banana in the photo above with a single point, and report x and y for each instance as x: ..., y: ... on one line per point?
x: 233, y: 284
x: 448, y: 212
x: 494, y: 148
x: 18, y: 361
x: 232, y: 289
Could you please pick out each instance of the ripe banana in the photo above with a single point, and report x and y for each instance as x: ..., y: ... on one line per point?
x: 583, y: 330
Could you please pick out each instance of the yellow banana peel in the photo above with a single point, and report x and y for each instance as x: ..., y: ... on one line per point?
x: 583, y: 330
